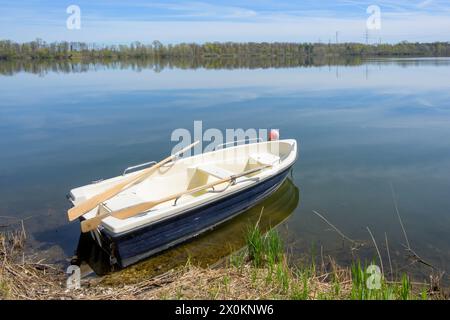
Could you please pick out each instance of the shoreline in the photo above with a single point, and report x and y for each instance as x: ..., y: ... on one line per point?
x: 40, y: 49
x: 261, y: 271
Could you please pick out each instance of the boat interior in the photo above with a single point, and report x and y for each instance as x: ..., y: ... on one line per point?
x: 185, y: 174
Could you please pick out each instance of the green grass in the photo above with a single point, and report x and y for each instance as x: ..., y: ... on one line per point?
x: 264, y: 249
x: 336, y: 286
x: 273, y: 246
x: 424, y: 294
x: 300, y: 290
x: 404, y: 290
x: 237, y: 260
x: 255, y: 245
x: 295, y: 282
x: 267, y: 250
x: 283, y: 277
x: 226, y: 282
x: 4, y: 289
x: 385, y: 290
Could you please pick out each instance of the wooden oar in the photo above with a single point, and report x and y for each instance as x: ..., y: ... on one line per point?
x: 93, y: 202
x: 91, y: 224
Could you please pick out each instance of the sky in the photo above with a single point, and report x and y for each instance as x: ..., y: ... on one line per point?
x: 118, y: 21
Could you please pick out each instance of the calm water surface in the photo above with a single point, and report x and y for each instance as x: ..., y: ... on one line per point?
x: 360, y: 129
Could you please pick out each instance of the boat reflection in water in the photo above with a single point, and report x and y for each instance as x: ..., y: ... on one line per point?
x: 204, y: 250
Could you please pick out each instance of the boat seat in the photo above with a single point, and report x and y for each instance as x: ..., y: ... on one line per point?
x: 199, y: 175
x: 215, y: 171
x: 264, y: 158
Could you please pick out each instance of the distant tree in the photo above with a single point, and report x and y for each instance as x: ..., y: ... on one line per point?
x: 285, y: 51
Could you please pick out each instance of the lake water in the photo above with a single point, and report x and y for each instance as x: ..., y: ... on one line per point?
x: 361, y: 129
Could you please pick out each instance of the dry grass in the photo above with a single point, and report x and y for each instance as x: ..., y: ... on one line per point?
x: 236, y: 283
x: 23, y: 279
x: 239, y: 279
x: 20, y: 278
x: 32, y: 281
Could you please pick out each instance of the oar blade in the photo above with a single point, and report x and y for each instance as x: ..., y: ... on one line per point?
x: 91, y: 224
x: 89, y: 204
x: 77, y: 211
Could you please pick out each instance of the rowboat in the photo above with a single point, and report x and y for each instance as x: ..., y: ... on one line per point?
x: 181, y: 198
x: 209, y: 248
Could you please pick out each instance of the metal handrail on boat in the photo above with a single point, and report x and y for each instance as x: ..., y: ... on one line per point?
x: 138, y: 166
x: 236, y: 142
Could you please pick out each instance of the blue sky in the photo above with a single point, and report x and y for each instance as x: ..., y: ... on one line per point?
x: 115, y: 21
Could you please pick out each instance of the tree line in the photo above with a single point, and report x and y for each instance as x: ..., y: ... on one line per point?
x: 41, y: 50
x: 43, y: 66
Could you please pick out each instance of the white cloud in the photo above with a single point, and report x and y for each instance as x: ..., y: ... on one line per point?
x: 200, y: 10
x: 424, y: 4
